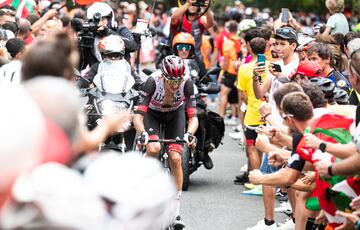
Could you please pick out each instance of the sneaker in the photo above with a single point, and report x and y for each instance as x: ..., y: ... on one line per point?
x: 288, y: 225
x: 244, y: 168
x: 279, y: 193
x: 232, y: 121
x: 208, y: 164
x: 282, y: 198
x: 237, y: 128
x: 178, y: 223
x: 249, y: 186
x: 242, y: 179
x: 262, y: 226
x: 284, y: 207
x: 256, y: 191
x: 237, y: 135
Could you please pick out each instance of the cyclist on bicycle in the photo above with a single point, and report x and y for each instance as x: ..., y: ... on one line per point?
x: 165, y: 96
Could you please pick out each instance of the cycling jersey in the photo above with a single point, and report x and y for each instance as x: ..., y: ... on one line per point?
x: 153, y: 93
x: 339, y: 80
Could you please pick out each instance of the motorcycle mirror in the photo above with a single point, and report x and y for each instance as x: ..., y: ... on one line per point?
x: 212, y: 71
x: 148, y: 71
x: 211, y: 88
x: 194, y: 73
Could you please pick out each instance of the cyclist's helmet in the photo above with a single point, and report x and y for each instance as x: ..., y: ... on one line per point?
x: 112, y: 45
x: 173, y: 67
x: 325, y: 84
x: 341, y: 96
x: 183, y: 38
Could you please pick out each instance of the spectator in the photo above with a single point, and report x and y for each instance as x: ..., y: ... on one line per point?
x: 252, y: 116
x: 25, y: 31
x: 337, y: 23
x: 15, y: 47
x: 231, y: 48
x: 7, y: 15
x: 322, y: 54
x: 186, y: 19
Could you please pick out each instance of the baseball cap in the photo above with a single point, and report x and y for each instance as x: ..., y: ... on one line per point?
x: 286, y: 33
x: 309, y: 69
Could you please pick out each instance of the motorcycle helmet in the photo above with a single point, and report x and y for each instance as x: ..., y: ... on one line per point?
x: 341, y: 96
x: 183, y: 38
x: 173, y: 68
x: 105, y: 11
x: 325, y: 84
x: 112, y: 45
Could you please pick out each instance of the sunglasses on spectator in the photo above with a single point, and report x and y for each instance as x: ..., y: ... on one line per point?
x: 173, y: 82
x: 285, y: 116
x: 187, y: 47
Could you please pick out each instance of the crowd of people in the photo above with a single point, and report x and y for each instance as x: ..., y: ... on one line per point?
x: 289, y: 86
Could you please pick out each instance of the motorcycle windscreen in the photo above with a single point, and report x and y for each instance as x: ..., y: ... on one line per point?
x: 114, y: 76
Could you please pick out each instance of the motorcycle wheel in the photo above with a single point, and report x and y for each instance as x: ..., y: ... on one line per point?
x: 185, y: 163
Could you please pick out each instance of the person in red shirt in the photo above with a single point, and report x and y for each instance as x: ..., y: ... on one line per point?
x: 186, y: 19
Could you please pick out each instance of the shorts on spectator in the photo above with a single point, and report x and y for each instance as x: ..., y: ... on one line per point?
x: 228, y: 80
x: 265, y: 168
x: 250, y: 135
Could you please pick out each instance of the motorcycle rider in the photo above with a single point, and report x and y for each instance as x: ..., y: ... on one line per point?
x: 111, y: 48
x: 163, y: 100
x: 186, y: 18
x: 107, y: 26
x: 184, y: 45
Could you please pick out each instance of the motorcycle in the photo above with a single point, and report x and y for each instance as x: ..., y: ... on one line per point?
x: 112, y: 93
x: 192, y: 159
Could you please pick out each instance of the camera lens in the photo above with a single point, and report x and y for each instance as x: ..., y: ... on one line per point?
x: 97, y: 17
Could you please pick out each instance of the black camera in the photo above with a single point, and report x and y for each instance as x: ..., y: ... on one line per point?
x: 92, y: 25
x: 86, y: 30
x: 86, y: 33
x: 199, y: 3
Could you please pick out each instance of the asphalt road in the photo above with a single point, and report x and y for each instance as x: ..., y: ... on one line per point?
x: 213, y: 202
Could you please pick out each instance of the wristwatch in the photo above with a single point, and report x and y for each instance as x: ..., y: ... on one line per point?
x: 322, y: 147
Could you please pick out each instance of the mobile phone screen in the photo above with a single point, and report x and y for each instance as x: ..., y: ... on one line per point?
x: 261, y: 58
x: 277, y: 67
x: 285, y: 15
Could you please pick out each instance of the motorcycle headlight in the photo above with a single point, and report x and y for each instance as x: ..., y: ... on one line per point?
x: 108, y: 107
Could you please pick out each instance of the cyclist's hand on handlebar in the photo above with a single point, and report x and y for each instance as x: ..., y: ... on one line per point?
x: 143, y: 139
x: 190, y: 139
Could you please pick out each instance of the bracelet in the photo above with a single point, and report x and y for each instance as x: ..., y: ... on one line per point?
x: 330, y: 170
x: 266, y: 115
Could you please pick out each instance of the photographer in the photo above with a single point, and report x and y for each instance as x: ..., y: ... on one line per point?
x: 105, y: 26
x: 186, y: 19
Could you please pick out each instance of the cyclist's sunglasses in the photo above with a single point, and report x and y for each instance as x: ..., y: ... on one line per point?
x: 173, y: 82
x: 187, y: 47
